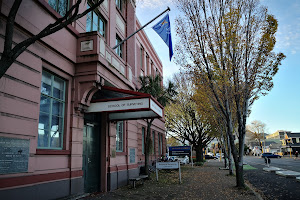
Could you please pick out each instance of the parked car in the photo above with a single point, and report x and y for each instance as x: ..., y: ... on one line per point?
x: 270, y: 155
x: 210, y: 157
x: 183, y: 159
x: 218, y: 155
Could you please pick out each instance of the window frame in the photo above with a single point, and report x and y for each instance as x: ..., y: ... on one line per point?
x: 50, y: 114
x: 119, y: 49
x: 99, y: 20
x: 122, y: 140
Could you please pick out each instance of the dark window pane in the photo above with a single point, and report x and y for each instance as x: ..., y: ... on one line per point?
x: 101, y: 27
x: 45, y: 104
x: 57, y: 108
x: 46, y: 89
x: 58, y: 93
x: 44, y: 121
x: 55, y: 139
x: 56, y: 124
x: 43, y: 138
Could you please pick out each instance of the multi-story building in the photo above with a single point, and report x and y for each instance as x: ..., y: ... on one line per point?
x: 70, y: 119
x: 277, y: 135
x: 291, y: 143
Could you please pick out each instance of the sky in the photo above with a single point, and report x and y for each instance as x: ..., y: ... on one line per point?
x: 280, y: 109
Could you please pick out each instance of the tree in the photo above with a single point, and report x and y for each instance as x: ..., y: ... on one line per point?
x: 184, y: 121
x: 173, y: 141
x: 228, y: 45
x: 153, y: 85
x: 256, y: 131
x: 11, y: 52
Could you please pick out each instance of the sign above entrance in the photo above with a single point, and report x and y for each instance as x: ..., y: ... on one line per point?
x: 134, y: 106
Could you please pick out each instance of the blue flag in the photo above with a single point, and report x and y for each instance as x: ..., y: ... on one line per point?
x: 163, y: 29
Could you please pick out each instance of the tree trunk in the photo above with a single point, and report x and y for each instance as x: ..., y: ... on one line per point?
x: 229, y: 157
x: 239, y: 175
x: 199, y: 153
x: 147, y: 145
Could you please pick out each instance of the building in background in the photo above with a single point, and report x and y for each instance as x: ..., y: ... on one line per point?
x: 71, y: 121
x: 291, y: 143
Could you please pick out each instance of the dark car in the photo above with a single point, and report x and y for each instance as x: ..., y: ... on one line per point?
x: 270, y: 155
x: 210, y: 157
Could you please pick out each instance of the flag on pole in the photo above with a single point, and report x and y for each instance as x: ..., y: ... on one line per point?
x: 163, y: 29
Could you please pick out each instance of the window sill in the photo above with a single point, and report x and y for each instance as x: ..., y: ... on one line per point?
x: 52, y: 152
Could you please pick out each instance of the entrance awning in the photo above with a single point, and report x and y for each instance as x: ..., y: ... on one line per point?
x: 125, y: 104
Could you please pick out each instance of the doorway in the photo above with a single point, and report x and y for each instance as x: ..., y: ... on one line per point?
x: 91, y: 153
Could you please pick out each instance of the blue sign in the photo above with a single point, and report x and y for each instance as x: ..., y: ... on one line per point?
x: 180, y: 151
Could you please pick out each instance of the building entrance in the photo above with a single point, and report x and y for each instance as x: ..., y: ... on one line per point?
x: 91, y: 154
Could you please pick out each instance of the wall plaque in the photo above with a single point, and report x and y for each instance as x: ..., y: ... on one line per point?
x: 132, y: 155
x: 86, y: 45
x: 14, y: 155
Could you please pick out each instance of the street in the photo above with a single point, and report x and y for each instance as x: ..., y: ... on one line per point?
x: 271, y: 185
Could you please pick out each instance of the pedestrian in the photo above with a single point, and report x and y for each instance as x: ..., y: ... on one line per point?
x: 296, y: 155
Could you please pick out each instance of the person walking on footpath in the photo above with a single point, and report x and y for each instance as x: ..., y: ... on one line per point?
x: 296, y: 155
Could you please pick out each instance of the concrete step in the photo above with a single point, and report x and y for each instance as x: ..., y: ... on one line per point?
x: 272, y: 169
x: 291, y: 174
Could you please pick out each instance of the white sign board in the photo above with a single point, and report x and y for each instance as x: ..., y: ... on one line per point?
x: 156, y: 108
x: 167, y: 165
x: 86, y: 45
x: 119, y: 105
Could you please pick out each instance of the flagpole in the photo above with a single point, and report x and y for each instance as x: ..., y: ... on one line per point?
x: 168, y: 9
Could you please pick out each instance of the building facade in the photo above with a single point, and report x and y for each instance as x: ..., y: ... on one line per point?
x: 291, y: 143
x: 70, y: 119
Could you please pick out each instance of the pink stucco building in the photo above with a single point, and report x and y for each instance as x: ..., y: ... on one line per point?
x: 70, y: 119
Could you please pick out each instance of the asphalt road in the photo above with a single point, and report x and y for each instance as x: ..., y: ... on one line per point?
x: 271, y: 185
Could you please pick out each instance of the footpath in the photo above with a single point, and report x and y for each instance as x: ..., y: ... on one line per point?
x: 206, y: 182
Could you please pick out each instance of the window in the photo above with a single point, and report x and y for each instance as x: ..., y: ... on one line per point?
x: 60, y: 6
x: 94, y: 22
x: 119, y: 136
x: 119, y: 48
x: 143, y: 140
x: 52, y: 105
x: 153, y: 142
x: 119, y: 4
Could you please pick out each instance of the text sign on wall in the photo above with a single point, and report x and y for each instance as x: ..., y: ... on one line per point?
x: 86, y: 45
x: 119, y: 105
x: 180, y: 151
x: 14, y: 155
x: 167, y: 165
x: 156, y: 108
